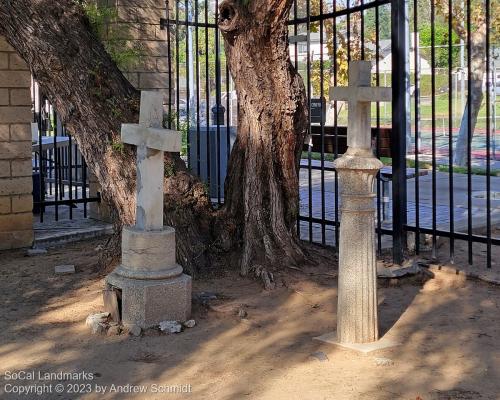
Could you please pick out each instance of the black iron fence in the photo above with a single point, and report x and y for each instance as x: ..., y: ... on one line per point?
x: 437, y: 138
x: 60, y: 175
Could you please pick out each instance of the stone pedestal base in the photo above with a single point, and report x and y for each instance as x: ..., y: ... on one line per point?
x: 148, y: 302
x: 380, y: 344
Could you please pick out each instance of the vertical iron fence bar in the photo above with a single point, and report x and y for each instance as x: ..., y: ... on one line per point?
x: 450, y: 130
x: 433, y: 126
x: 228, y: 111
x: 70, y: 166
x: 169, y: 66
x: 56, y: 167
x: 188, y: 93
x: 416, y: 54
x: 84, y: 186
x: 177, y: 88
x: 488, y: 127
x: 197, y: 73
x: 362, y: 32
x: 335, y: 130
x: 207, y: 96
x: 40, y: 165
x: 217, y: 100
x: 377, y: 150
x: 296, y: 64
x: 469, y: 133
x: 50, y: 152
x: 348, y: 21
x: 322, y: 122
x: 77, y: 165
x: 398, y: 138
x: 309, y: 93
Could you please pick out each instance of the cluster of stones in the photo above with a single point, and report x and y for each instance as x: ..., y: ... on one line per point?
x: 105, y: 323
x: 153, y: 287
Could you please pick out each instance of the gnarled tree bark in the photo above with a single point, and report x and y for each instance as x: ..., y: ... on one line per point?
x: 262, y: 185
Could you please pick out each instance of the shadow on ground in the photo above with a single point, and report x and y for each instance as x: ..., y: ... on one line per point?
x: 448, y: 328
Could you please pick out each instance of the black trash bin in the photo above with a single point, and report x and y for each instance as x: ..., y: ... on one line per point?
x: 218, y: 115
x: 36, y: 192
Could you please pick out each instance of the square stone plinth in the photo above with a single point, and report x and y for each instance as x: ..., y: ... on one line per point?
x: 148, y: 302
x: 380, y: 344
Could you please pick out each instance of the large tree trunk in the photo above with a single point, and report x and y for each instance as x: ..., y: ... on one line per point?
x: 93, y: 99
x: 257, y: 226
x: 262, y: 184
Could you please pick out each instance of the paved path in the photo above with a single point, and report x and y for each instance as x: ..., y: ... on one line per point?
x: 425, y: 201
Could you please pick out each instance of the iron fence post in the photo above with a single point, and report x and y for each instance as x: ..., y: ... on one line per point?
x: 399, y: 126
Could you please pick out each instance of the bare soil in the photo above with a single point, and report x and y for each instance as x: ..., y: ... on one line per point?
x: 448, y: 329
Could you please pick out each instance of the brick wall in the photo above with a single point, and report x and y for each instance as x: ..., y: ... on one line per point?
x: 139, y: 23
x: 16, y: 202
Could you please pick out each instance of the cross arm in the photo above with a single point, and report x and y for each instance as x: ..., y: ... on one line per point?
x: 153, y: 138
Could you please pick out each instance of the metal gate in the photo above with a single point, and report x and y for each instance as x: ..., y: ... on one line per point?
x: 414, y: 48
x: 60, y: 175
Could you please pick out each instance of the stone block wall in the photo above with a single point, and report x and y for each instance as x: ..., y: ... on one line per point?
x: 139, y: 23
x: 16, y: 201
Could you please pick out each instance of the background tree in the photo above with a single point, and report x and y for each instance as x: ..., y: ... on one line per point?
x: 477, y: 37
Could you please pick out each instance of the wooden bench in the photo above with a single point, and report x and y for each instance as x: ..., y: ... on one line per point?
x: 335, y: 140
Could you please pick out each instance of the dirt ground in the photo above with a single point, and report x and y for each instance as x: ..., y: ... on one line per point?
x: 449, y: 330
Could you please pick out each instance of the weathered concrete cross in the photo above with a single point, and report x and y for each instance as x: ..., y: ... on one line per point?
x: 151, y: 141
x: 357, y: 315
x: 359, y: 95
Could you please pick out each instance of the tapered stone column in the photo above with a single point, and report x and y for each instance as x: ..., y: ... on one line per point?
x: 357, y: 320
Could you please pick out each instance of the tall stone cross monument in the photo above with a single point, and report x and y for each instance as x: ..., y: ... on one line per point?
x: 153, y: 287
x: 357, y: 320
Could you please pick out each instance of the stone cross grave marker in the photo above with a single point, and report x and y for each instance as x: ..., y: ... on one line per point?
x: 357, y: 320
x: 151, y: 141
x: 153, y: 287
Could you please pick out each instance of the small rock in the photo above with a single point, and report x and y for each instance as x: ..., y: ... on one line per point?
x: 93, y: 319
x: 64, y: 269
x: 36, y: 251
x: 99, y: 247
x: 242, y: 313
x: 114, y: 330
x: 205, y: 297
x: 134, y: 330
x: 97, y: 323
x: 383, y: 362
x: 99, y: 329
x: 170, y: 326
x: 320, y: 356
x: 190, y: 323
x: 409, y: 267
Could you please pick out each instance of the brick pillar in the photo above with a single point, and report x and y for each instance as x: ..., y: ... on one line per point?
x: 139, y: 24
x: 16, y: 201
